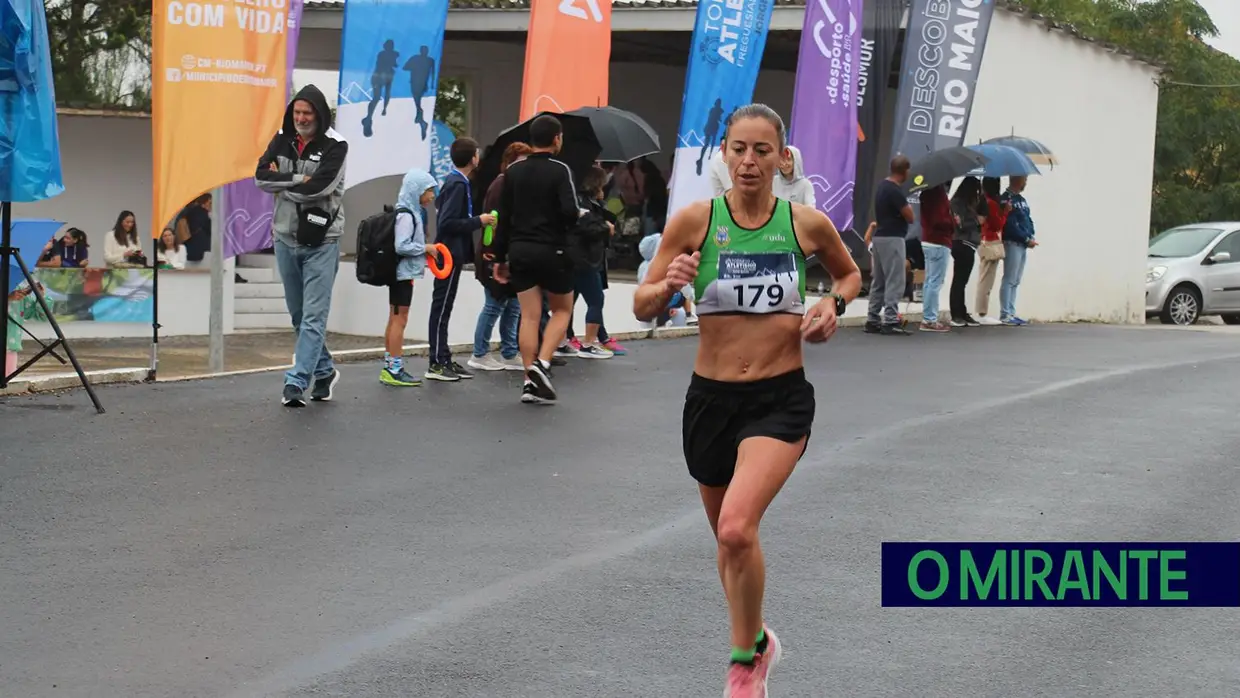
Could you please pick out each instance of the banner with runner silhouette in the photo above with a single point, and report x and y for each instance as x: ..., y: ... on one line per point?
x: 567, y: 56
x: 824, y: 104
x: 390, y: 57
x: 729, y: 37
x: 247, y: 220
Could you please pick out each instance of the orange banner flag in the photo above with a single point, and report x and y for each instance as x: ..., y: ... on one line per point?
x: 567, y: 56
x: 219, y: 93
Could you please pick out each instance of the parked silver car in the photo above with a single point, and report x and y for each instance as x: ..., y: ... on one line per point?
x: 1194, y: 271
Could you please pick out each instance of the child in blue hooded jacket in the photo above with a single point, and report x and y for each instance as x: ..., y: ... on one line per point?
x: 416, y: 192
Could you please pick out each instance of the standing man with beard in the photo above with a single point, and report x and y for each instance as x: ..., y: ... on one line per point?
x: 304, y: 168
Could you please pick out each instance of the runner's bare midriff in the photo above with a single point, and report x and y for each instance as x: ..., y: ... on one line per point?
x: 741, y: 348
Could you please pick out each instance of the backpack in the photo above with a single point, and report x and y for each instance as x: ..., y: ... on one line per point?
x: 376, y: 248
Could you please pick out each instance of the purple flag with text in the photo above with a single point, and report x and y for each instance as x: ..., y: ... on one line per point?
x: 248, y: 218
x: 824, y: 104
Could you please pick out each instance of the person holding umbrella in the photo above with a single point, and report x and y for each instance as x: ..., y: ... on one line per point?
x: 1018, y: 239
x: 938, y: 226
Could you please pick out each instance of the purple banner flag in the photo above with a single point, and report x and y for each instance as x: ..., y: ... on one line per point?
x: 248, y: 218
x: 824, y: 104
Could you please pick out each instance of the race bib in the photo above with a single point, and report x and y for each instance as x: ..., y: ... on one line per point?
x: 763, y: 282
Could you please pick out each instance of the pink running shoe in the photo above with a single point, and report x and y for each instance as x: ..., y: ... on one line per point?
x: 576, y: 343
x: 614, y: 347
x: 749, y: 680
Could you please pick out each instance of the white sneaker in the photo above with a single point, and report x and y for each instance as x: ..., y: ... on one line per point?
x: 485, y: 362
x: 513, y: 364
x: 593, y: 351
x: 988, y: 320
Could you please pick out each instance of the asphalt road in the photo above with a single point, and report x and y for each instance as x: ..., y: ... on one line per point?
x: 200, y: 540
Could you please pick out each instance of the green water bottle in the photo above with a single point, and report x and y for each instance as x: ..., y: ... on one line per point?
x: 488, y: 233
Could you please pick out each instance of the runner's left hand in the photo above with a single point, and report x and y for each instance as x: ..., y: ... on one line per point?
x: 819, y: 322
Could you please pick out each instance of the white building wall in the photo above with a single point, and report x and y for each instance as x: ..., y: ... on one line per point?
x: 106, y: 162
x: 1098, y: 111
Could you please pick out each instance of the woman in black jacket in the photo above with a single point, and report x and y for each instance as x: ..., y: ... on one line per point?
x: 588, y: 251
x: 970, y: 208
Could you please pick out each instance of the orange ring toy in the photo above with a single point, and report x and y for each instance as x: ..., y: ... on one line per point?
x: 436, y: 271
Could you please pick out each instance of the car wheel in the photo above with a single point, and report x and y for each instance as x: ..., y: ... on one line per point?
x: 1183, y: 306
x: 1231, y: 319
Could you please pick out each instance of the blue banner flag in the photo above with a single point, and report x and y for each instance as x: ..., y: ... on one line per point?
x: 390, y: 57
x: 29, y: 140
x: 442, y: 138
x: 1061, y: 574
x: 729, y: 37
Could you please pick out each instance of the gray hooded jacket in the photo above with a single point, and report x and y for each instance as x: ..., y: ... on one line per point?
x: 798, y: 189
x: 322, y: 159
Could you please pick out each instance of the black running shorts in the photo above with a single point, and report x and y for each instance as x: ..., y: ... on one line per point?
x: 719, y: 415
x: 400, y: 294
x: 533, y: 264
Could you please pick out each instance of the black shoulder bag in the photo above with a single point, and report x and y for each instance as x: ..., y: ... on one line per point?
x: 313, y: 222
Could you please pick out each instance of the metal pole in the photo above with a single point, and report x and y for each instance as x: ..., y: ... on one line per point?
x: 216, y: 324
x: 6, y: 213
x: 152, y: 372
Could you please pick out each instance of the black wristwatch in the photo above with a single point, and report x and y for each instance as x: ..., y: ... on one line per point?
x: 840, y: 304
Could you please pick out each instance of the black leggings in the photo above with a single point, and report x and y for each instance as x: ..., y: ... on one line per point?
x: 964, y: 255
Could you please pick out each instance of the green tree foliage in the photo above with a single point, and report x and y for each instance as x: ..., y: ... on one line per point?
x: 451, y: 105
x: 1197, y: 151
x: 87, y: 39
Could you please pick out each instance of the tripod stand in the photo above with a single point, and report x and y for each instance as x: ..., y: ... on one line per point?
x: 7, y: 252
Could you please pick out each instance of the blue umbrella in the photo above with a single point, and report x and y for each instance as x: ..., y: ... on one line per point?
x: 1005, y: 161
x: 1036, y: 150
x: 29, y: 237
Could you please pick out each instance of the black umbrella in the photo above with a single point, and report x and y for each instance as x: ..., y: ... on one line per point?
x: 579, y: 150
x: 943, y: 166
x: 624, y: 135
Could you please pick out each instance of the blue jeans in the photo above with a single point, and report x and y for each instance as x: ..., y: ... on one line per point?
x: 937, y: 259
x: 508, y: 314
x: 309, y: 273
x: 1013, y: 271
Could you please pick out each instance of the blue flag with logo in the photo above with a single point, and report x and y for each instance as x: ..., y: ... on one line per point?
x: 729, y: 37
x: 442, y: 138
x: 29, y: 142
x: 390, y: 57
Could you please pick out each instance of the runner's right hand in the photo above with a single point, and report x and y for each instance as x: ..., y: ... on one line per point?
x: 683, y: 270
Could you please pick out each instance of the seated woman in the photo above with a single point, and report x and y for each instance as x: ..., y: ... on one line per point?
x: 171, y: 253
x: 70, y: 251
x: 121, y: 249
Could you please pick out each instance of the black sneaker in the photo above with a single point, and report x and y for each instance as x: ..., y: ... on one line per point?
x: 893, y: 329
x: 460, y: 371
x: 538, y: 378
x: 441, y: 372
x: 971, y: 321
x: 293, y: 396
x: 872, y: 328
x: 958, y: 322
x: 559, y: 361
x: 325, y: 386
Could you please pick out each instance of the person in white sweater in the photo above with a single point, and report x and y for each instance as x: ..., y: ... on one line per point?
x: 792, y: 184
x: 121, y: 248
x: 171, y: 252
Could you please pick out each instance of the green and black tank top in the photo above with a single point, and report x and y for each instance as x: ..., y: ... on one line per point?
x: 758, y: 271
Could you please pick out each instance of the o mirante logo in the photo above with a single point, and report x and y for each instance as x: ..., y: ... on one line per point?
x: 1061, y: 574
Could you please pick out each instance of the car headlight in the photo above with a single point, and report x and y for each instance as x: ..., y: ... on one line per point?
x: 1154, y: 274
